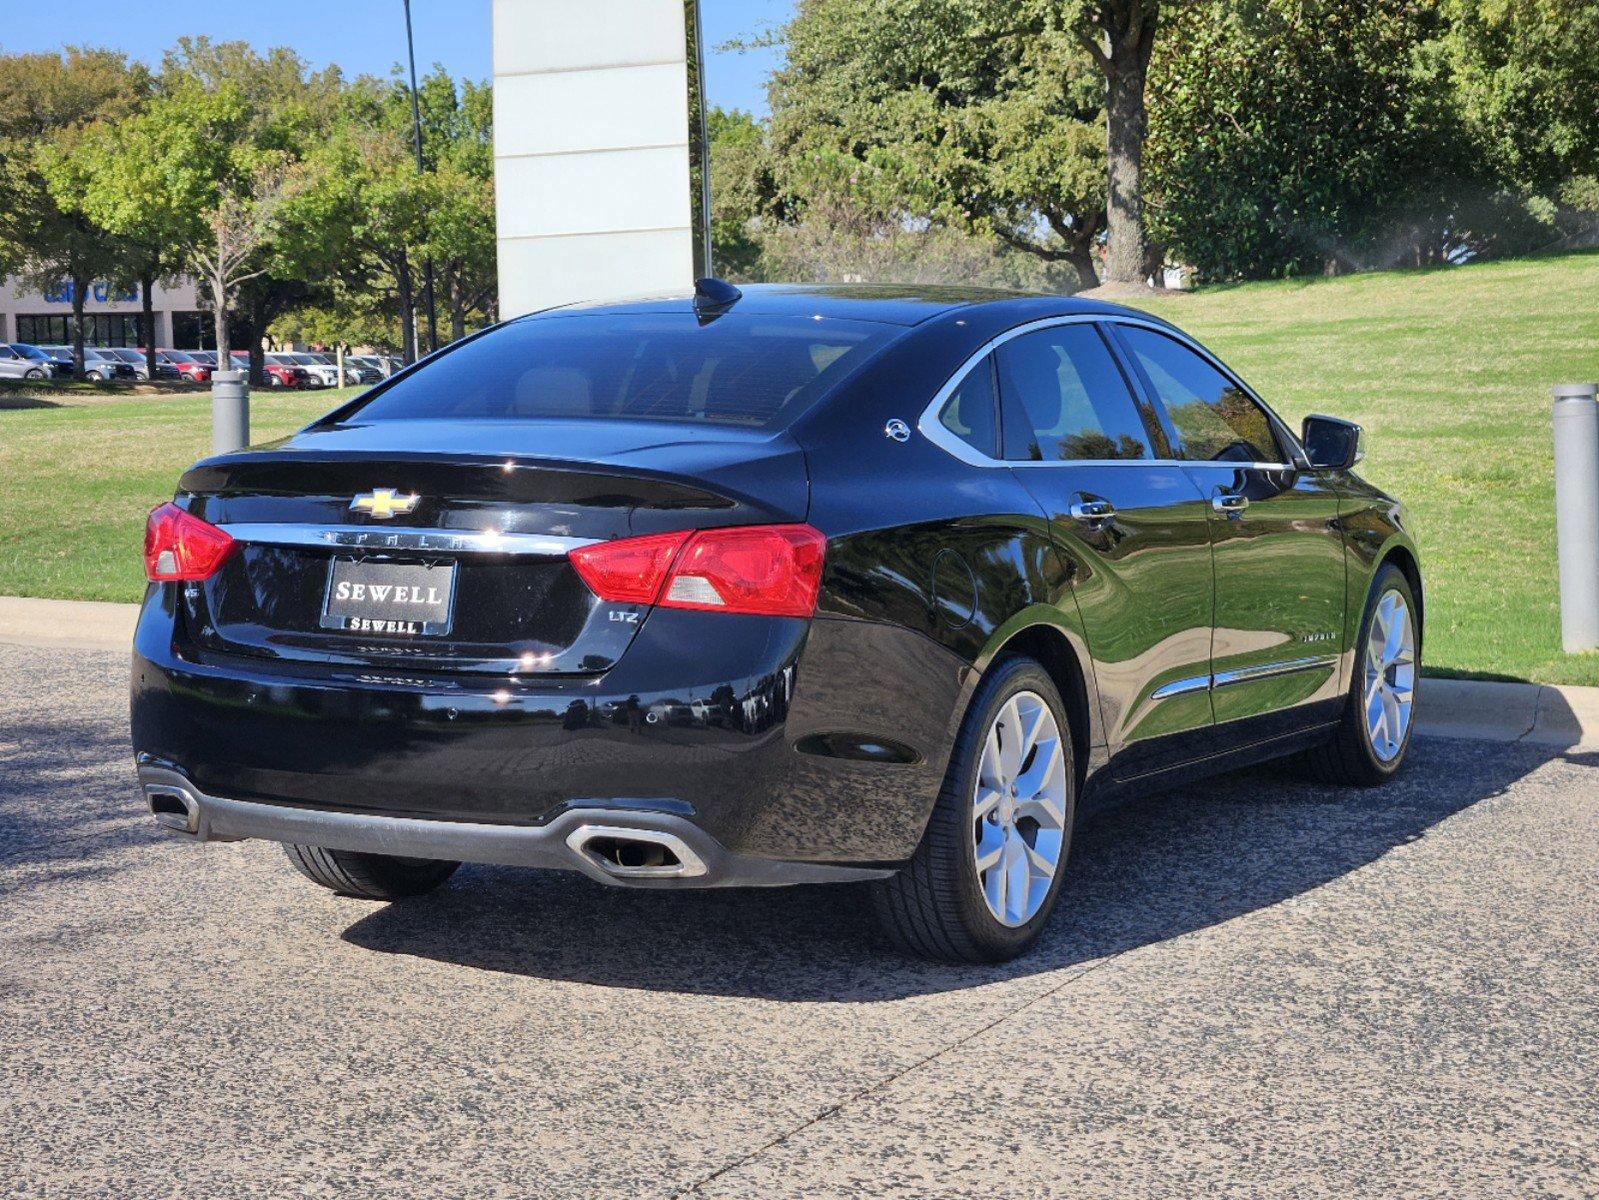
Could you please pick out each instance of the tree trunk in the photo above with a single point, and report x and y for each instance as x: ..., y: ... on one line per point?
x: 1080, y: 254
x: 1127, y: 28
x: 219, y: 320
x: 402, y: 283
x: 1125, y: 122
x: 457, y: 292
x: 79, y: 287
x: 147, y: 327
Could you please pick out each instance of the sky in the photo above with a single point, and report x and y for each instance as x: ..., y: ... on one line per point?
x: 362, y: 36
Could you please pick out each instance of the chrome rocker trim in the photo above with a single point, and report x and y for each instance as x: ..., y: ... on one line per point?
x: 1206, y: 683
x: 559, y: 844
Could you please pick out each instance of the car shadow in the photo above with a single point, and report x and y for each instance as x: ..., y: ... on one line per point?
x: 1150, y: 870
x: 69, y: 807
x: 9, y: 403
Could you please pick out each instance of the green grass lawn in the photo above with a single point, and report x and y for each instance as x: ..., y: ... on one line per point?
x: 80, y: 470
x: 1448, y: 370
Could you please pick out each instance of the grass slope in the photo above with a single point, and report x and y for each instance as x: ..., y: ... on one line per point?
x: 1448, y: 370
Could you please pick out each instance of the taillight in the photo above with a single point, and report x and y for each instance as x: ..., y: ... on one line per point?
x: 766, y: 570
x: 178, y: 545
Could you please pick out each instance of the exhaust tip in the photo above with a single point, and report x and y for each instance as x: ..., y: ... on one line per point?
x: 635, y: 853
x: 173, y: 808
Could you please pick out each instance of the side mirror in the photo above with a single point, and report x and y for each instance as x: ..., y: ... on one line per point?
x: 1332, y: 444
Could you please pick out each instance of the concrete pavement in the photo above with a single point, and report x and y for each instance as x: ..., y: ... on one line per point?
x: 1255, y: 988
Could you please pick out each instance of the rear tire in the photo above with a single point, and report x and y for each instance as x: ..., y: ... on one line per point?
x: 943, y: 905
x: 368, y: 876
x: 1355, y: 756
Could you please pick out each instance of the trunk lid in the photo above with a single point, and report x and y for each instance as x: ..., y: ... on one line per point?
x: 497, y: 506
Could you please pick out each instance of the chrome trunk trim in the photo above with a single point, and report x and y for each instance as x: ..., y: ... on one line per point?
x: 438, y: 541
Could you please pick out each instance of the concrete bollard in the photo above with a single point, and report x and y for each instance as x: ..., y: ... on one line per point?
x: 1576, y: 428
x: 230, y: 411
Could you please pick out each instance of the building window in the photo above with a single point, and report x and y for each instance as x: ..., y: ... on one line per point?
x: 193, y: 331
x: 42, y: 330
x: 99, y: 329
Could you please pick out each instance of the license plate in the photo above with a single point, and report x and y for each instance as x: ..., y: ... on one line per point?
x: 386, y: 598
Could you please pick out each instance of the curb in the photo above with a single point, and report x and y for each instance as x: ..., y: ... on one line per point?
x: 1532, y: 713
x: 1537, y: 714
x: 67, y: 624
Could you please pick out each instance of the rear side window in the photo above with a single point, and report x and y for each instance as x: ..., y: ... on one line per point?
x: 970, y: 412
x: 1076, y: 402
x: 1216, y: 420
x: 735, y: 370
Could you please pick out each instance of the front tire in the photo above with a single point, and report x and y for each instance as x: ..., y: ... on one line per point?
x: 368, y: 876
x: 1374, y: 733
x: 988, y: 872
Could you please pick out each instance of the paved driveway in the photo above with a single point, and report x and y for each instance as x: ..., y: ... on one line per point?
x: 1254, y: 989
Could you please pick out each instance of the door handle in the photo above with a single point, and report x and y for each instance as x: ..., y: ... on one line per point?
x: 1092, y: 511
x: 1229, y: 503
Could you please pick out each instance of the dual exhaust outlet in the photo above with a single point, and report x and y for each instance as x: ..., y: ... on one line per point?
x: 616, y: 852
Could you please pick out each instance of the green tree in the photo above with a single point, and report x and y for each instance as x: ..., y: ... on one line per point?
x: 1294, y: 136
x: 49, y: 104
x: 980, y: 116
x: 1526, y: 79
x: 743, y: 190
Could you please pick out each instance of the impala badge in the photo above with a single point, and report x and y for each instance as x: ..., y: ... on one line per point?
x: 383, y: 503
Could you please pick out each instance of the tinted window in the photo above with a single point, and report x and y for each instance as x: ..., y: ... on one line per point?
x: 969, y: 415
x: 736, y: 370
x: 1075, y: 399
x: 1215, y: 419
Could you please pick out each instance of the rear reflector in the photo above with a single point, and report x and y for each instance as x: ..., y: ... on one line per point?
x: 180, y: 546
x: 765, y: 570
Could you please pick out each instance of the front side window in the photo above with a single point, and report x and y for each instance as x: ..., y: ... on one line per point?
x: 1076, y: 402
x: 756, y: 371
x: 1215, y: 419
x: 970, y: 412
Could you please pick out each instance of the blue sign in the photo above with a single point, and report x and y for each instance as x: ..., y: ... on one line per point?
x: 101, y: 293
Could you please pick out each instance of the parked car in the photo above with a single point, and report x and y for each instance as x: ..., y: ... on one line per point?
x: 141, y: 365
x: 16, y: 366
x: 189, y: 368
x: 354, y: 373
x: 310, y: 373
x: 97, y: 363
x: 793, y: 585
x: 277, y: 374
x: 47, y: 362
x: 382, y: 364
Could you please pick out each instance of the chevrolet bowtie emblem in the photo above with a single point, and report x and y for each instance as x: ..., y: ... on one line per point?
x: 384, y: 503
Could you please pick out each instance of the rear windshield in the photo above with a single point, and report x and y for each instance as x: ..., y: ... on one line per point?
x: 735, y: 370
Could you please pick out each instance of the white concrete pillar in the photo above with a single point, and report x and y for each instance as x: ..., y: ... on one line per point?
x: 591, y: 150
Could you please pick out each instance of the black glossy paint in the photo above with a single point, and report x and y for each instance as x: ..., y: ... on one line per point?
x: 823, y: 740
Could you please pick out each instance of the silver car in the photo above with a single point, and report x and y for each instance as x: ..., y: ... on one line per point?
x: 97, y: 363
x: 16, y: 366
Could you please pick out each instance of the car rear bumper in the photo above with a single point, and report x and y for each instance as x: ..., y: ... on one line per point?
x: 577, y: 839
x: 799, y: 743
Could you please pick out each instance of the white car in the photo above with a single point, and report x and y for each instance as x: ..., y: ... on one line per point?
x: 317, y: 375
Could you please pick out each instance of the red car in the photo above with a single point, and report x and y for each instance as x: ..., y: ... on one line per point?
x: 278, y: 375
x: 189, y: 368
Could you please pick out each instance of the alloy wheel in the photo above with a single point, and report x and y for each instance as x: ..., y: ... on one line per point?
x: 1019, y: 809
x: 1390, y: 679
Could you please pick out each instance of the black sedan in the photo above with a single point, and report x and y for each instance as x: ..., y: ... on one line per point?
x: 798, y: 584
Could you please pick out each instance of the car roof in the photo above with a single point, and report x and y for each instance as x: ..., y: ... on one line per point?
x: 890, y: 304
